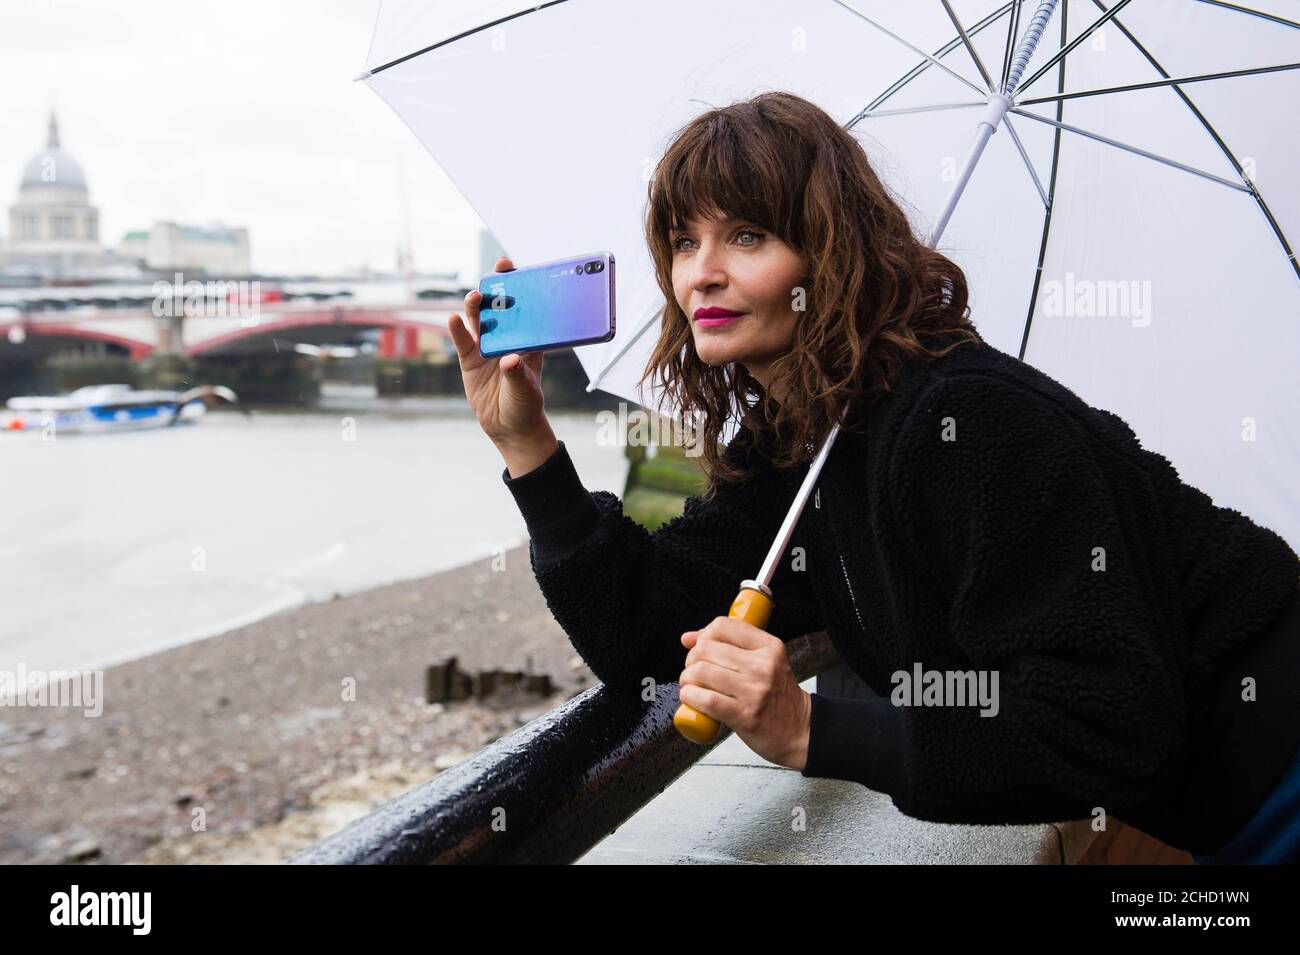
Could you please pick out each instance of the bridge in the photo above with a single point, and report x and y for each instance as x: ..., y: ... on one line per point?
x: 195, y: 319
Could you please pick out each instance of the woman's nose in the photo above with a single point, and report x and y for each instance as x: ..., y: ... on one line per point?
x: 707, y: 271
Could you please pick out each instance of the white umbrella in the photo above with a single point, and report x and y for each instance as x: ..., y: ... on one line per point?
x: 1126, y: 213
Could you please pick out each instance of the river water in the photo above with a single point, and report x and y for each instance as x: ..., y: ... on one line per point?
x: 118, y: 545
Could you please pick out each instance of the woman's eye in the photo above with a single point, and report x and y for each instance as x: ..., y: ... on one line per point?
x: 676, y: 246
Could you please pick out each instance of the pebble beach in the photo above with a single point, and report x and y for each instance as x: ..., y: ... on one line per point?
x: 248, y: 746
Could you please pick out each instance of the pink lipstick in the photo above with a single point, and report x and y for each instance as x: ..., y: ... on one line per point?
x: 713, y: 316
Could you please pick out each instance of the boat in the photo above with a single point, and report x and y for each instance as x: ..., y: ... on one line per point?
x: 116, y: 407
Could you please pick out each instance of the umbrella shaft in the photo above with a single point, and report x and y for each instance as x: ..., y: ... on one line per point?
x: 1025, y: 49
x: 988, y: 125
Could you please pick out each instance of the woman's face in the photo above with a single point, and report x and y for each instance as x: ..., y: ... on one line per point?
x: 738, y: 267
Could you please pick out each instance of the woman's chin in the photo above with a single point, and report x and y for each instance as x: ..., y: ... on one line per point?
x: 715, y: 353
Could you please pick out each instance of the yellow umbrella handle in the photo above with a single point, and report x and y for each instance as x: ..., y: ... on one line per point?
x: 752, y: 606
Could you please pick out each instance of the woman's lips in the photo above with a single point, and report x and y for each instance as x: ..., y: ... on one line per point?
x: 715, y: 316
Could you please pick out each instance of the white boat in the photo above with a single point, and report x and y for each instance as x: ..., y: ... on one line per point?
x: 113, y: 408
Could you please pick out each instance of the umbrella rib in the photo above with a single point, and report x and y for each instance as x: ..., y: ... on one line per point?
x: 915, y: 49
x: 1133, y: 149
x: 912, y: 109
x: 1028, y: 165
x: 1060, y: 54
x: 459, y: 36
x: 924, y: 65
x: 961, y: 31
x: 1255, y: 13
x: 1223, y: 146
x: 1227, y: 74
x: 1051, y: 193
x: 1013, y: 26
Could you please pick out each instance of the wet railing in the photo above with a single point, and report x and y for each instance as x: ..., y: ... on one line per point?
x: 546, y: 793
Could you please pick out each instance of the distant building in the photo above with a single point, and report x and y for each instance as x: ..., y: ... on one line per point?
x: 168, y: 246
x: 53, y: 228
x: 54, y: 232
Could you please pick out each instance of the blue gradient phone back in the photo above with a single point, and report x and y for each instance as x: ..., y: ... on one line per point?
x: 551, y: 305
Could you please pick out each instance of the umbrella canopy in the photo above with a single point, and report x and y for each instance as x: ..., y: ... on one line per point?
x: 1129, y: 228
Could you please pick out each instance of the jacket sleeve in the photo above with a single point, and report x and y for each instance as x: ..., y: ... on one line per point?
x: 625, y: 595
x: 1006, y: 519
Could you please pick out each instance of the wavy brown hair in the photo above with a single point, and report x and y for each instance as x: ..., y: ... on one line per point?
x: 873, y: 289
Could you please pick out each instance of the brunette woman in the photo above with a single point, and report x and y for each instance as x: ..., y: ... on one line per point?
x: 974, y: 516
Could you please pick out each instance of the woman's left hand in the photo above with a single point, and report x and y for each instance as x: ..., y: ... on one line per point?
x: 741, y: 676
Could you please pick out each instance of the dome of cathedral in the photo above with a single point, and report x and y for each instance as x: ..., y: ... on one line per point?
x: 53, y: 166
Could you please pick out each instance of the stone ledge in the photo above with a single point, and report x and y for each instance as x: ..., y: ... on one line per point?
x: 734, y: 807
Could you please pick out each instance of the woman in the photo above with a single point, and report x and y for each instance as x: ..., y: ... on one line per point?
x: 975, y: 519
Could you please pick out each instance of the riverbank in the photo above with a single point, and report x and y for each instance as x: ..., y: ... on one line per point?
x: 250, y: 745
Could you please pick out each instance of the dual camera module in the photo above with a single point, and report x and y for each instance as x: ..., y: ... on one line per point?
x: 589, y: 268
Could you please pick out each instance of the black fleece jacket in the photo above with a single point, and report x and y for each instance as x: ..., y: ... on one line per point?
x: 985, y: 519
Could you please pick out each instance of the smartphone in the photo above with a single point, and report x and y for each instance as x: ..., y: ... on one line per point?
x: 552, y: 305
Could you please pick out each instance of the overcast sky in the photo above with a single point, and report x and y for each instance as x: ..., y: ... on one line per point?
x: 239, y: 111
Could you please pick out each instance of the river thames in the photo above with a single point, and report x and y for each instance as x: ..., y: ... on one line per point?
x: 119, y: 545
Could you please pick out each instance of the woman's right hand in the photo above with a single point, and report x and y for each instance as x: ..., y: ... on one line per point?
x: 505, y: 392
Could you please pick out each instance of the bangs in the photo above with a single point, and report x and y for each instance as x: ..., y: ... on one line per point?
x: 718, y: 172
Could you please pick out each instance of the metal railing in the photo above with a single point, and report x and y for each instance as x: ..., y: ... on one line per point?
x: 549, y: 791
